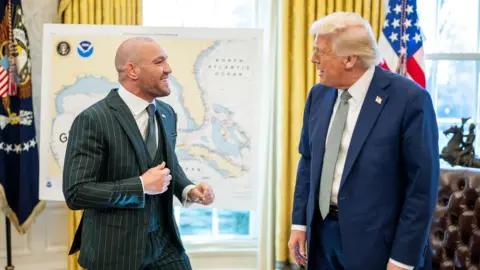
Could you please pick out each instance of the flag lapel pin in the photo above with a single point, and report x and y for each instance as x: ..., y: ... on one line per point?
x: 378, y: 100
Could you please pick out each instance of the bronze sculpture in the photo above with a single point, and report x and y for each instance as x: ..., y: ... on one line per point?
x: 460, y: 152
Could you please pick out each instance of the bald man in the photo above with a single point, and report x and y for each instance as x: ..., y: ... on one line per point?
x: 121, y: 169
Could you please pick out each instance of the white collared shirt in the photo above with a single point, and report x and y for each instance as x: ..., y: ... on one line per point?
x: 138, y: 107
x: 358, y: 91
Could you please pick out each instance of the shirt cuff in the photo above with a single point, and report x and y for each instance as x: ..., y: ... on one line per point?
x: 299, y: 228
x: 185, y: 202
x: 404, y: 266
x: 143, y: 188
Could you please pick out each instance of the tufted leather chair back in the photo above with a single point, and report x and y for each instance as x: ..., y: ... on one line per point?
x: 455, y: 229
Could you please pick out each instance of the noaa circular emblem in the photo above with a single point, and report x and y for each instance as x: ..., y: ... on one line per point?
x: 63, y: 48
x: 49, y: 184
x: 85, y: 48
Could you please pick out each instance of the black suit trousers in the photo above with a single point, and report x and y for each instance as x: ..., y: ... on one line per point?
x: 161, y: 254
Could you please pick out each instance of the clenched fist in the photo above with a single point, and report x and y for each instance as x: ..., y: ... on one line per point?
x: 156, y: 180
x: 202, y: 194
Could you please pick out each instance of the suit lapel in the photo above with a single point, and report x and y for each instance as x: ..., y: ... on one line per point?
x: 168, y: 146
x: 125, y: 118
x: 373, y: 104
x: 319, y: 126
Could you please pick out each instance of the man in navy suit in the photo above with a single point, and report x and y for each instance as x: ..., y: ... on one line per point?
x: 368, y: 174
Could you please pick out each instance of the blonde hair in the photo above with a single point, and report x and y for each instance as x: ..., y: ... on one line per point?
x: 351, y: 35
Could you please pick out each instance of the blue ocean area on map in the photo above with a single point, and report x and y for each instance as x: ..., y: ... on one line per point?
x: 84, y: 85
x: 175, y: 84
x: 226, y: 141
x: 221, y: 109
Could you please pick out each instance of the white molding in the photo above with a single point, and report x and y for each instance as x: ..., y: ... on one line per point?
x: 226, y: 245
x: 453, y: 56
x: 219, y: 252
x: 220, y: 255
x: 223, y: 259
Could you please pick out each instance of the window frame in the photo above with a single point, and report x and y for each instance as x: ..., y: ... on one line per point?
x: 217, y: 238
x: 439, y: 56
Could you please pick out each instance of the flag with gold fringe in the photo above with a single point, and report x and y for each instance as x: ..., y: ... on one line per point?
x: 18, y: 144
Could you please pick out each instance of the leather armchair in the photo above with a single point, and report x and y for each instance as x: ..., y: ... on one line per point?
x: 455, y: 228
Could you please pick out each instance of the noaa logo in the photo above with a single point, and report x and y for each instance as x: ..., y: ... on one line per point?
x: 49, y: 184
x: 85, y: 48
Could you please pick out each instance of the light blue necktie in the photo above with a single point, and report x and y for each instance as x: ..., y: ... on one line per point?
x: 331, y: 153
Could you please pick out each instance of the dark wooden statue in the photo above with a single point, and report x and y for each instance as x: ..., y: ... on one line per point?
x: 460, y: 152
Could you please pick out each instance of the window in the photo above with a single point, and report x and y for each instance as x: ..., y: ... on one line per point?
x: 199, y: 13
x: 201, y: 224
x: 452, y: 50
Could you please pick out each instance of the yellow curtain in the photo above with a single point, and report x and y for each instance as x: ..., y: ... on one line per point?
x: 74, y: 218
x: 299, y: 76
x: 114, y: 12
x: 118, y: 12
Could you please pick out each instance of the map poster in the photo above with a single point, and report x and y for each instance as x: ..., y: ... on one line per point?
x: 216, y: 92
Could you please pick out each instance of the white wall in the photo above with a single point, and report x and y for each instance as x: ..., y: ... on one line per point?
x: 45, y: 246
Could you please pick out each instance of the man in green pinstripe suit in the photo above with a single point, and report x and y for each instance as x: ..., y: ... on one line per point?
x: 121, y: 168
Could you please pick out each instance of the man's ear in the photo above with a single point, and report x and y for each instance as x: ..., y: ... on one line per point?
x: 350, y: 61
x: 132, y: 71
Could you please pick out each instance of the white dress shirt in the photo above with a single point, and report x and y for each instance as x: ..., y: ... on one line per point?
x: 358, y: 91
x: 138, y: 107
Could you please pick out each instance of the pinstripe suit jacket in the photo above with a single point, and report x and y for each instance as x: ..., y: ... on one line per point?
x: 105, y: 157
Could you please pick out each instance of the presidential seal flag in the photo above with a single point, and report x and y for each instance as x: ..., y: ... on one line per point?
x: 18, y: 145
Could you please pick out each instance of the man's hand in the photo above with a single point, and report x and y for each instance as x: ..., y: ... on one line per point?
x: 296, y: 245
x: 156, y: 180
x: 391, y: 266
x: 202, y: 194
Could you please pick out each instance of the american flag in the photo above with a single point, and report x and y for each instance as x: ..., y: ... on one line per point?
x: 3, y: 82
x: 19, y: 158
x: 401, y: 42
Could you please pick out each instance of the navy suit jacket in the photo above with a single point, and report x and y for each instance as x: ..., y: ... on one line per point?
x: 389, y: 185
